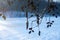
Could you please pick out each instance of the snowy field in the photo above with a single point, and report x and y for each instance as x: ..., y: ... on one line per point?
x: 14, y: 29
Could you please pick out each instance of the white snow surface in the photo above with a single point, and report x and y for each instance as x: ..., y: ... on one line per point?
x: 15, y: 29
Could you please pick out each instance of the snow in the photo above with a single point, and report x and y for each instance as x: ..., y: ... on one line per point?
x: 14, y: 29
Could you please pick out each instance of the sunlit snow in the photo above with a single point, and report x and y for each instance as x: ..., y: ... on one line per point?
x: 14, y: 29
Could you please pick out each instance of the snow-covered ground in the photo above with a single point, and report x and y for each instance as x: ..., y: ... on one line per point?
x: 14, y: 29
